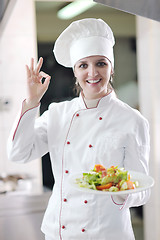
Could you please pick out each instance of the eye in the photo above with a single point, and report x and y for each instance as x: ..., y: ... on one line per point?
x: 83, y: 65
x: 101, y: 64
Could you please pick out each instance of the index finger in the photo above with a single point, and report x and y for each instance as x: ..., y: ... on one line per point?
x: 43, y: 74
x: 39, y: 65
x: 28, y: 71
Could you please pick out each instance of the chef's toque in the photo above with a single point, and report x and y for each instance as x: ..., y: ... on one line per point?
x: 84, y: 38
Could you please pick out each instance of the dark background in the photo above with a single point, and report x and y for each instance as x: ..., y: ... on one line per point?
x: 60, y: 89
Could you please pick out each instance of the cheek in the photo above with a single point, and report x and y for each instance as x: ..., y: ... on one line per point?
x: 79, y: 75
x: 107, y: 74
x: 81, y: 82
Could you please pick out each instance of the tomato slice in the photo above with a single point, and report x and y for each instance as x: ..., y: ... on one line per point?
x: 99, y: 168
x: 106, y: 186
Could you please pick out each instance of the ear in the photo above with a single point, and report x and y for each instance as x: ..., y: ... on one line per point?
x: 112, y: 71
x: 74, y: 72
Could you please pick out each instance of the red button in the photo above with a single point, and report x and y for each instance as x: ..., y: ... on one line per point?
x: 66, y: 171
x: 90, y: 146
x: 77, y: 115
x: 100, y: 118
x: 85, y: 201
x: 65, y: 200
x: 83, y: 230
x: 63, y: 227
x: 68, y: 142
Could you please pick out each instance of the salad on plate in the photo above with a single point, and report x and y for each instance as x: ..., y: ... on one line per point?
x: 111, y: 179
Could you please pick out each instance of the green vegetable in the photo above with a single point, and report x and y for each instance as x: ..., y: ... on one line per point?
x: 113, y: 189
x: 99, y: 178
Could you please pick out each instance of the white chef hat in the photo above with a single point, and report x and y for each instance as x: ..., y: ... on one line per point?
x: 84, y: 38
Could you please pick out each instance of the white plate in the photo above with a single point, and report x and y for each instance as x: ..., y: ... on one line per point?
x: 145, y: 182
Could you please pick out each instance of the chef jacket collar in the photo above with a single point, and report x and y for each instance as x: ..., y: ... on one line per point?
x: 101, y: 103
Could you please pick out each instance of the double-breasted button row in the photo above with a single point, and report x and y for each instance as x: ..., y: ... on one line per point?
x: 83, y: 229
x: 77, y: 115
x: 65, y: 200
x: 90, y: 145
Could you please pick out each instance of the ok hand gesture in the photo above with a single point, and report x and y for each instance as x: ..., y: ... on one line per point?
x: 36, y: 89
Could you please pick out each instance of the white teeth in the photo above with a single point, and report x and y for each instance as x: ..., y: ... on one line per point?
x: 93, y: 81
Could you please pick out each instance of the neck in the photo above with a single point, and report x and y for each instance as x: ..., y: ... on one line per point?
x: 89, y: 98
x: 91, y: 103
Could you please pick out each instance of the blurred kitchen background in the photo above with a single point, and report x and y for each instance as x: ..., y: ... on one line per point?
x: 28, y: 29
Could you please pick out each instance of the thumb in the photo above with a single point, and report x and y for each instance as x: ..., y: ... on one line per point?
x: 46, y: 83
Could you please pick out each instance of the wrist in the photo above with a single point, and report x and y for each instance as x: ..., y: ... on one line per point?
x: 28, y: 104
x: 31, y: 102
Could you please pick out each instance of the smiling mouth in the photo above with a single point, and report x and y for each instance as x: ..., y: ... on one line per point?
x: 94, y: 81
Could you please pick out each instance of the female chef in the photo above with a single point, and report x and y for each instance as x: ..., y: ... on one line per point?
x: 94, y: 128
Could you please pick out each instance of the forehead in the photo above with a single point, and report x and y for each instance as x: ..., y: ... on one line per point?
x: 93, y: 58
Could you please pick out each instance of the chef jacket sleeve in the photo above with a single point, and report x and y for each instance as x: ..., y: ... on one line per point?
x: 136, y: 159
x: 28, y: 137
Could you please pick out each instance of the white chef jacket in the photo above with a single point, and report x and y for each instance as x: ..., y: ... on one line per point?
x: 77, y: 138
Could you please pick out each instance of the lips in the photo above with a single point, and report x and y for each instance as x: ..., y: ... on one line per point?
x: 92, y: 81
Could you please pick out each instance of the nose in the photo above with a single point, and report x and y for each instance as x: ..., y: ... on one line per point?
x: 92, y: 71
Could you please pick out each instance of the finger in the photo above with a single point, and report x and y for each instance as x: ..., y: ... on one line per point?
x: 28, y: 71
x: 46, y: 82
x: 39, y: 79
x: 45, y: 85
x: 32, y: 64
x: 43, y: 74
x: 39, y: 65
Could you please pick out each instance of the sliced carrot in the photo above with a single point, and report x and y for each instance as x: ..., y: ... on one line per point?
x: 106, y: 186
x: 129, y: 176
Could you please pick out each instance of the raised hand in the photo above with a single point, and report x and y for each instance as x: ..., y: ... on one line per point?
x: 36, y: 89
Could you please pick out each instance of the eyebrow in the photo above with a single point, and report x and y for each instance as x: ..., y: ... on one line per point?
x: 102, y: 59
x: 84, y: 61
